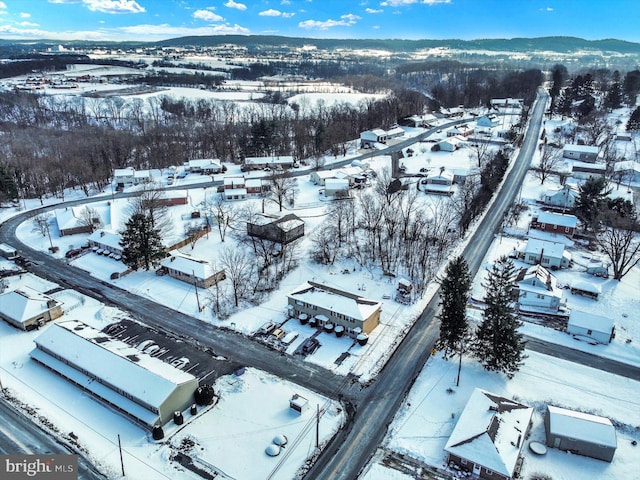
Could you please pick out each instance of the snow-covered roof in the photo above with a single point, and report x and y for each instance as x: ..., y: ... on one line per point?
x: 253, y: 183
x: 586, y: 286
x: 568, y: 188
x: 557, y: 219
x: 336, y: 183
x: 283, y: 159
x: 125, y: 368
x: 395, y: 131
x: 490, y: 431
x: 581, y: 148
x: 68, y: 217
x: 582, y: 426
x: 108, y: 239
x: 347, y: 303
x: 24, y: 303
x: 189, y: 266
x: 599, y: 167
x: 626, y: 166
x: 590, y: 321
x: 202, y: 163
x: 538, y: 279
x: 551, y: 249
x: 124, y: 172
x: 233, y: 181
x: 229, y: 192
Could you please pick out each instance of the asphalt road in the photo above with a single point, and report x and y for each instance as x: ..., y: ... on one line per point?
x: 19, y: 435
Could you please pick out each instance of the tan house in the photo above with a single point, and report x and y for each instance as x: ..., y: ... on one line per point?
x: 191, y: 270
x: 28, y: 309
x: 330, y: 305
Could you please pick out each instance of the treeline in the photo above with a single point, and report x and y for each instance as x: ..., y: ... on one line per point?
x: 52, y: 144
x: 170, y: 79
x: 307, y: 69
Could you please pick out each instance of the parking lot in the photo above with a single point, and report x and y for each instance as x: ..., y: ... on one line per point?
x: 202, y: 363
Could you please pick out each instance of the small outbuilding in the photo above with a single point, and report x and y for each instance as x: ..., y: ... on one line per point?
x: 596, y: 327
x: 298, y: 403
x: 580, y: 433
x: 28, y: 309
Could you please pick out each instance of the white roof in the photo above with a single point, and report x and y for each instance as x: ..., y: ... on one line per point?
x: 233, y: 180
x: 488, y: 430
x: 350, y: 304
x: 582, y: 426
x: 557, y: 219
x: 600, y: 167
x: 253, y: 183
x: 569, y: 188
x: 147, y: 378
x: 551, y: 249
x: 396, y: 131
x: 189, y: 266
x: 203, y: 162
x: 68, y: 217
x: 581, y: 148
x: 626, y: 165
x: 229, y: 192
x: 336, y: 183
x: 105, y: 238
x: 123, y: 172
x: 586, y: 286
x: 283, y: 159
x: 590, y: 321
x: 24, y: 303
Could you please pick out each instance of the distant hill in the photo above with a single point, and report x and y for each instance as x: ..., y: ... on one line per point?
x: 555, y: 44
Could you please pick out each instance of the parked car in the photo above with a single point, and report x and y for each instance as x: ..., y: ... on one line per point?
x: 310, y: 345
x: 278, y: 333
x: 266, y: 328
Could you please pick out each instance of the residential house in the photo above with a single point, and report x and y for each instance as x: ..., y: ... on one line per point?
x: 626, y: 171
x: 537, y: 289
x: 555, y: 223
x: 284, y: 230
x: 498, y: 103
x: 424, y: 121
x: 171, y: 198
x: 547, y: 254
x: 205, y: 166
x: 106, y: 241
x: 451, y: 144
x: 452, y: 112
x: 580, y: 433
x: 395, y: 132
x: 462, y: 130
x: 123, y: 176
x: 438, y: 181
x: 583, y: 153
x: 353, y: 173
x: 319, y: 177
x: 370, y: 137
x: 563, y: 197
x: 335, y: 187
x: 193, y: 271
x: 594, y: 327
x: 28, y: 309
x: 356, y: 313
x: 584, y: 170
x: 489, y: 436
x: 234, y: 188
x: 488, y: 121
x: 143, y: 387
x: 278, y: 162
x: 256, y: 186
x: 70, y: 221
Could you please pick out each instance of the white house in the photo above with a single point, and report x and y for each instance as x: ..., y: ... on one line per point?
x: 123, y: 176
x: 537, y: 289
x: 193, y: 271
x: 584, y: 170
x: 627, y: 171
x: 451, y: 144
x: 555, y: 223
x: 204, y: 165
x: 395, y: 132
x: 463, y: 130
x: 438, y: 181
x: 145, y: 388
x: 26, y: 308
x: 498, y: 103
x: 489, y: 436
x: 595, y: 327
x: 563, y: 197
x: 583, y: 153
x: 106, y: 241
x: 488, y: 121
x: 547, y: 254
x: 368, y: 138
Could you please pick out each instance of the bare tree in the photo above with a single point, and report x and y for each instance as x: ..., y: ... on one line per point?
x: 90, y: 218
x: 549, y: 162
x: 240, y: 271
x: 42, y: 225
x: 283, y: 187
x: 621, y: 244
x: 152, y: 202
x: 481, y: 151
x: 225, y: 214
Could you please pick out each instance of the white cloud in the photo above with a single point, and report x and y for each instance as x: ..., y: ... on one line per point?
x: 276, y: 13
x: 207, y: 16
x: 548, y: 9
x: 108, y: 6
x: 400, y: 3
x: 25, y: 15
x: 232, y: 4
x: 345, y: 21
x: 285, y: 2
x: 28, y: 24
x: 373, y: 10
x: 3, y: 5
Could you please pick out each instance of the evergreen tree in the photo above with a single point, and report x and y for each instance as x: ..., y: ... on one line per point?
x: 498, y: 344
x: 140, y: 243
x: 8, y: 185
x: 633, y: 124
x: 454, y: 290
x: 590, y: 202
x: 613, y: 97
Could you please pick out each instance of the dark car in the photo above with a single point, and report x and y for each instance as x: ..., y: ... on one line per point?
x: 310, y: 345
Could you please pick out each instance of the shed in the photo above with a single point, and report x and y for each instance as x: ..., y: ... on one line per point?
x: 298, y: 403
x: 584, y: 153
x: 586, y: 288
x: 580, y: 433
x: 336, y: 186
x: 596, y: 327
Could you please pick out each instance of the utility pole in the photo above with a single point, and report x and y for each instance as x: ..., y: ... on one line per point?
x: 317, y: 426
x: 195, y: 285
x: 121, y: 459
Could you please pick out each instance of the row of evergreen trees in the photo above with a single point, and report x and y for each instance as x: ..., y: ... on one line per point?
x: 496, y: 342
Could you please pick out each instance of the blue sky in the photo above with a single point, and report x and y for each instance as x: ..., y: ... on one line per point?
x: 149, y: 20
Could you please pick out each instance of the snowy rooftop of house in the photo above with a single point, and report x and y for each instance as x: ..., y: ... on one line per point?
x: 229, y: 192
x: 336, y: 183
x: 551, y: 249
x: 125, y: 368
x: 349, y: 171
x: 274, y: 160
x: 600, y: 167
x: 202, y: 163
x: 582, y: 426
x: 175, y: 194
x: 396, y: 131
x: 581, y: 148
x: 253, y: 183
x: 455, y: 140
x: 123, y: 172
x: 24, y: 303
x: 590, y: 321
x: 586, y: 286
x: 378, y: 132
x: 189, y: 266
x: 285, y: 223
x: 490, y: 431
x: 557, y: 219
x: 350, y: 304
x: 626, y: 165
x: 538, y: 279
x: 570, y: 188
x: 68, y: 217
x: 438, y: 174
x: 108, y: 239
x: 233, y: 180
